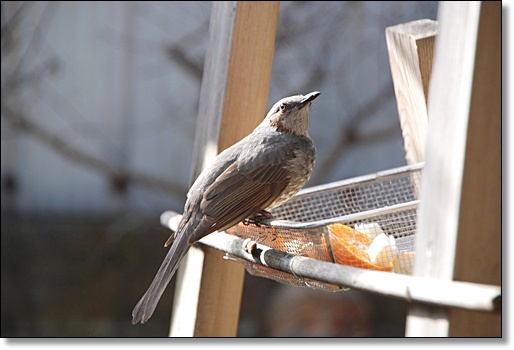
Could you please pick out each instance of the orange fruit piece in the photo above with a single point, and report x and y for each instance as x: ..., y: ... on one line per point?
x: 349, y: 247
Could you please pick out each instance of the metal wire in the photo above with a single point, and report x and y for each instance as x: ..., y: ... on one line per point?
x: 325, y: 223
x: 360, y: 194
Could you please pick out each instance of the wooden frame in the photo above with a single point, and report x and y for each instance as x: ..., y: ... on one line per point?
x: 461, y: 189
x: 237, y: 74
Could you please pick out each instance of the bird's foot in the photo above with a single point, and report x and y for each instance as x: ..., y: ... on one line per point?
x: 260, y: 219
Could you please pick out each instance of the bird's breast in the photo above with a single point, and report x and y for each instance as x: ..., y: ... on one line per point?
x: 300, y: 168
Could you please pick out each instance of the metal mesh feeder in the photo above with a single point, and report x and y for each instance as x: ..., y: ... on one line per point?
x: 366, y: 222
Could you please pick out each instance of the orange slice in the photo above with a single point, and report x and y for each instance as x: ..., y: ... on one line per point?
x: 349, y: 247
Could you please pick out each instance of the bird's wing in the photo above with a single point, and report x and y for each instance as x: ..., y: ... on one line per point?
x: 237, y: 194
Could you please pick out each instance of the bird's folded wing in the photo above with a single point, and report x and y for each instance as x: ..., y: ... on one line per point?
x: 236, y: 195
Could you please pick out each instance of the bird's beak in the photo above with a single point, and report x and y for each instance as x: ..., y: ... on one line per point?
x: 308, y: 98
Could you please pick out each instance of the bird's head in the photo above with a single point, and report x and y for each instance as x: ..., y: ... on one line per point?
x: 291, y: 114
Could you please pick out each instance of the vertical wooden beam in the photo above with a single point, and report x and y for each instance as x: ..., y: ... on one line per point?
x: 249, y: 75
x: 478, y: 255
x: 441, y: 190
x: 214, y: 82
x: 234, y: 95
x: 410, y: 48
x: 210, y: 113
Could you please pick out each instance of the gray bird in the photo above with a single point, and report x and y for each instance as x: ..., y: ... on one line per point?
x: 245, y: 181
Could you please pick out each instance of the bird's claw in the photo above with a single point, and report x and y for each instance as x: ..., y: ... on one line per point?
x: 261, y: 219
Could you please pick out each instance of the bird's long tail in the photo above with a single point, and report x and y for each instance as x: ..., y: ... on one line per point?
x: 146, y: 306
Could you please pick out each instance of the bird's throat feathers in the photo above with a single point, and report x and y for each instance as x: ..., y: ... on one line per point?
x: 300, y: 126
x: 276, y: 123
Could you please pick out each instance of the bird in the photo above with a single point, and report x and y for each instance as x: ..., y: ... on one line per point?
x: 242, y: 184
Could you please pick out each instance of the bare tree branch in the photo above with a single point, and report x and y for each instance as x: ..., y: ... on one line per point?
x: 177, y: 53
x: 37, y: 39
x: 350, y: 136
x: 7, y: 23
x: 62, y: 147
x: 34, y: 76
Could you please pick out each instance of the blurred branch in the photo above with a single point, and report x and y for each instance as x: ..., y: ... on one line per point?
x: 36, y: 40
x: 350, y: 136
x: 34, y: 76
x: 177, y: 53
x: 7, y: 23
x: 119, y: 177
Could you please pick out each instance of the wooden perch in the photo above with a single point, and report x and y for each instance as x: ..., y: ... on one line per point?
x: 462, y: 295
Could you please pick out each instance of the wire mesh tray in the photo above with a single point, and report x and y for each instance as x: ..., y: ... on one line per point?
x: 365, y: 222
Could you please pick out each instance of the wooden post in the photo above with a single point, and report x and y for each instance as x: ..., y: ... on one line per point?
x: 460, y: 188
x: 478, y: 255
x: 410, y: 48
x: 232, y: 103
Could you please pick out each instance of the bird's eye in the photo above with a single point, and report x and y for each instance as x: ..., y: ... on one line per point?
x: 283, y: 107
